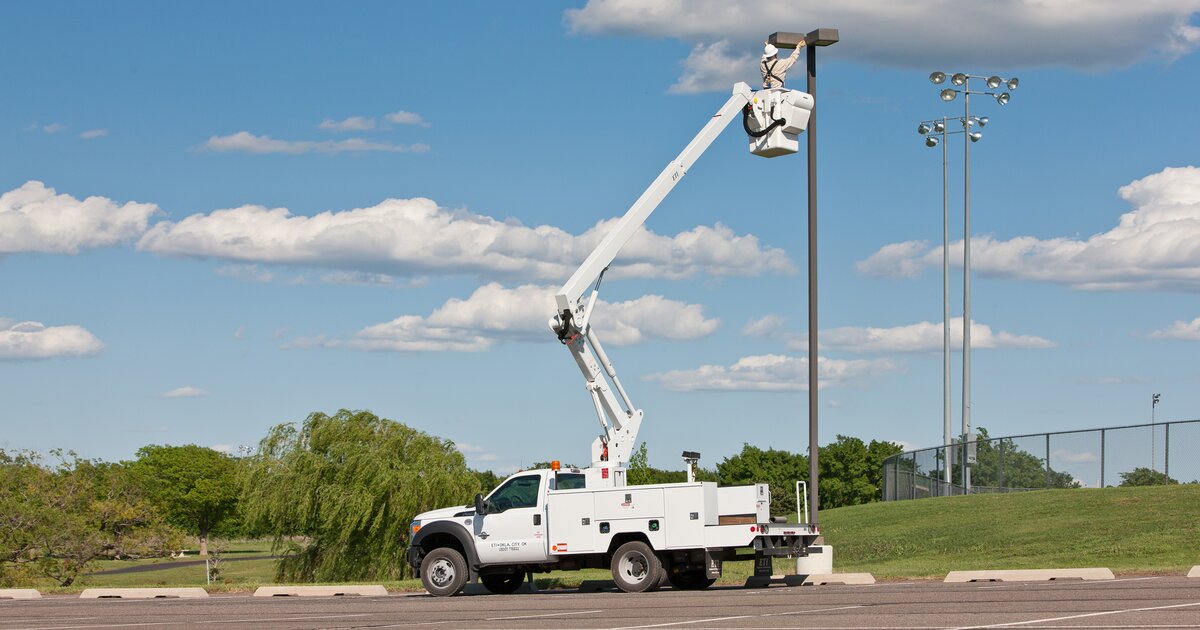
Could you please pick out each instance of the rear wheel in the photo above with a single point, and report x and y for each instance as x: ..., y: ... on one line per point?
x: 502, y: 583
x: 444, y: 572
x: 690, y: 580
x: 635, y: 568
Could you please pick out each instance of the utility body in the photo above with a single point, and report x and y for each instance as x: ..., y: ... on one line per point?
x: 561, y: 519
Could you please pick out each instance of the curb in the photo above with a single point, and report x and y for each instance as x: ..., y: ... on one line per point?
x: 143, y: 593
x: 19, y: 593
x: 1029, y: 575
x: 367, y: 590
x: 1195, y: 572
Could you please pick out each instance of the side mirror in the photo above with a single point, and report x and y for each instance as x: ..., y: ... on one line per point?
x: 479, y: 505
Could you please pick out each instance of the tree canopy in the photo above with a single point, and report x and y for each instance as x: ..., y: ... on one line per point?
x: 337, y: 493
x: 1143, y: 476
x: 195, y: 487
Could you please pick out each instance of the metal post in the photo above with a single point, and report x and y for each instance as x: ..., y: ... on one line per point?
x: 1047, y: 460
x: 966, y: 384
x: 1167, y: 454
x: 946, y: 438
x: 1001, y: 461
x: 1101, y: 458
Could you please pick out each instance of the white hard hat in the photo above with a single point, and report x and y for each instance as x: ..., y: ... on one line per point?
x: 770, y: 51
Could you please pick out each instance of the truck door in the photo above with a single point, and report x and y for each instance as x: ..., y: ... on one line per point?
x: 514, y: 529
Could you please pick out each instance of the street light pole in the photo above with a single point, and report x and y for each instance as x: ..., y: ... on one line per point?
x: 947, y: 441
x: 966, y: 361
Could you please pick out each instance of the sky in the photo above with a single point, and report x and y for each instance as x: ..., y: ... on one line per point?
x: 216, y: 218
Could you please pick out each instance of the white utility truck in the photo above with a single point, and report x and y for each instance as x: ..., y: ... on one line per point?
x: 561, y: 519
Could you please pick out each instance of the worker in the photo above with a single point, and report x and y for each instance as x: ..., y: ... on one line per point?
x: 774, y: 69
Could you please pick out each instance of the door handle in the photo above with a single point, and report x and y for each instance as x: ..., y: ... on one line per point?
x: 483, y: 535
x: 537, y: 519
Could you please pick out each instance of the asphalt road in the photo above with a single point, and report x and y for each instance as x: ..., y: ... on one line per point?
x: 1154, y: 602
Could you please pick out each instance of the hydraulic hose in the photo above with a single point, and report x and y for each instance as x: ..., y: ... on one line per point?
x: 758, y: 134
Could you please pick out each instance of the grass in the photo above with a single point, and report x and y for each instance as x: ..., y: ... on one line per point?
x: 1130, y: 530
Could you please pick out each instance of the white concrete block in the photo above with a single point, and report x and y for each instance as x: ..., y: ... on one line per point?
x: 1029, y: 575
x: 816, y: 563
x: 818, y: 579
x: 1195, y: 572
x: 19, y: 593
x: 367, y: 590
x: 143, y: 593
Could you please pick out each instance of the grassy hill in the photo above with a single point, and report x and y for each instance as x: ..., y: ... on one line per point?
x: 1149, y: 529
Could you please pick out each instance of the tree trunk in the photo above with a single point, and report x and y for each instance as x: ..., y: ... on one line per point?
x: 204, y: 543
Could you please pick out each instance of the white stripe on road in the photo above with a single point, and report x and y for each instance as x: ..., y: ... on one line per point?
x: 682, y: 623
x: 1095, y: 614
x: 206, y: 621
x: 553, y: 614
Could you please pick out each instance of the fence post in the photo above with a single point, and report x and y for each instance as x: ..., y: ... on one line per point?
x: 1000, y: 466
x: 1101, y: 458
x: 1167, y: 457
x: 1047, y: 460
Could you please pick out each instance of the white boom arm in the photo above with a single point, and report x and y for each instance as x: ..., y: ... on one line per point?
x: 619, y: 419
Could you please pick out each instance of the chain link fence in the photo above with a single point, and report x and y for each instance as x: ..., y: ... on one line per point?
x: 1143, y: 454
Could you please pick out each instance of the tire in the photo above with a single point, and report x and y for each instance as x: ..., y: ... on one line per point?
x: 690, y: 580
x: 502, y: 583
x: 635, y: 568
x: 444, y: 572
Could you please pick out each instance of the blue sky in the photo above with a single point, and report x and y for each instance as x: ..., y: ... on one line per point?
x: 197, y: 242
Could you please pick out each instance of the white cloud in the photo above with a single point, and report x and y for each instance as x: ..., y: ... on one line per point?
x: 775, y: 373
x: 911, y: 338
x: 33, y: 340
x: 1063, y: 456
x: 353, y: 123
x: 406, y: 118
x: 466, y: 449
x: 54, y: 128
x: 416, y: 237
x: 1154, y: 247
x: 223, y: 448
x: 93, y: 133
x: 246, y: 142
x: 1187, y: 331
x: 34, y: 218
x: 711, y: 67
x: 1090, y: 36
x: 494, y: 313
x: 185, y: 392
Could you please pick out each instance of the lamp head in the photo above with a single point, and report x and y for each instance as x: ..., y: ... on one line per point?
x: 983, y: 121
x: 975, y: 136
x: 949, y: 94
x: 937, y: 78
x: 1002, y: 98
x: 931, y: 141
x: 1013, y: 83
x: 958, y: 78
x: 923, y: 128
x: 994, y: 82
x: 939, y: 126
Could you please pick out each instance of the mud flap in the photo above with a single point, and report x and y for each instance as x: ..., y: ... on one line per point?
x: 712, y: 565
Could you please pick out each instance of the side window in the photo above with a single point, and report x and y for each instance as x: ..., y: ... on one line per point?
x: 518, y: 492
x: 570, y: 481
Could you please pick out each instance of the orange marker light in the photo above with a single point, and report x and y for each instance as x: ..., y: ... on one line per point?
x: 416, y: 527
x: 555, y: 465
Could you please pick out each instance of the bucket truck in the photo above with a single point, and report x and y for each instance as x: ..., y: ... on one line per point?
x: 562, y: 519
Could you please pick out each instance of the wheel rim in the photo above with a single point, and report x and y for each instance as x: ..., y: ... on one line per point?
x: 634, y: 566
x: 441, y: 572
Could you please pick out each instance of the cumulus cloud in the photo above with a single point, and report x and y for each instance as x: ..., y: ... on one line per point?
x: 35, y: 218
x: 406, y: 118
x: 353, y: 123
x: 912, y: 338
x: 54, y: 128
x: 33, y: 340
x: 495, y: 313
x: 91, y: 134
x: 415, y: 237
x: 775, y: 373
x: 1187, y: 331
x: 246, y: 142
x: 1154, y: 247
x: 1088, y: 36
x: 712, y: 67
x: 185, y: 392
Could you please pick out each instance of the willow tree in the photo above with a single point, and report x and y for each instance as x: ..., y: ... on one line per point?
x: 337, y: 493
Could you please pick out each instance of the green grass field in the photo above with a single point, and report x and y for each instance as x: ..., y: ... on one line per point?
x: 1130, y: 530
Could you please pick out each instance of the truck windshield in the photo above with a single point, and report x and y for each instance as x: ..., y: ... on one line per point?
x: 518, y: 492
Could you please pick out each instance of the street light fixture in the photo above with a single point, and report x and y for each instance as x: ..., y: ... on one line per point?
x: 937, y: 78
x: 949, y: 94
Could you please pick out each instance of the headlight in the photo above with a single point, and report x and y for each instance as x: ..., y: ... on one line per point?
x: 414, y: 527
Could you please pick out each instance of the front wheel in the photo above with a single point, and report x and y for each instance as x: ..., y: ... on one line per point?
x: 444, y: 572
x: 502, y: 583
x: 635, y: 568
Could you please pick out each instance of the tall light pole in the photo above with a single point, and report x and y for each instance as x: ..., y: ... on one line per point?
x: 949, y: 94
x: 818, y: 37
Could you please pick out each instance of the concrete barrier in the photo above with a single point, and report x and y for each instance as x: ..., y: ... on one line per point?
x: 19, y: 593
x: 143, y: 593
x: 1029, y: 575
x: 336, y: 590
x: 1195, y: 572
x: 819, y: 561
x: 818, y: 579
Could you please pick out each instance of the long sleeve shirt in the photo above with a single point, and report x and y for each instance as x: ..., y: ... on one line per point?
x: 774, y: 70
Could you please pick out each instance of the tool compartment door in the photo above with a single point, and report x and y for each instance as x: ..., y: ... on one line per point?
x: 572, y: 522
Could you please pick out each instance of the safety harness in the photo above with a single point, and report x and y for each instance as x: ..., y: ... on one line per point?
x: 769, y: 71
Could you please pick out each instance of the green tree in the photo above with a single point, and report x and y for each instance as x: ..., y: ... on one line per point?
x: 852, y: 471
x: 1002, y: 462
x: 640, y: 472
x: 196, y: 487
x: 781, y: 469
x: 338, y: 492
x: 1142, y: 476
